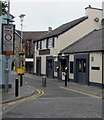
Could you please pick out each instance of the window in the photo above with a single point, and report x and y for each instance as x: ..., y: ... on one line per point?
x: 82, y: 65
x: 71, y: 67
x: 50, y: 42
x: 92, y: 59
x: 80, y: 68
x: 39, y: 45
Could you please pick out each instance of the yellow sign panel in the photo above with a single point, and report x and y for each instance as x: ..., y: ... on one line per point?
x: 20, y: 70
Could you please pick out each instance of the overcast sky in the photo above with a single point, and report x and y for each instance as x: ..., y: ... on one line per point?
x: 40, y: 14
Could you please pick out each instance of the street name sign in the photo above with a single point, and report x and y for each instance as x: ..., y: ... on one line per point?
x: 8, y: 36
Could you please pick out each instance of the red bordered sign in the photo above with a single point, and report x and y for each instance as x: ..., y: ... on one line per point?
x: 8, y: 37
x: 8, y: 32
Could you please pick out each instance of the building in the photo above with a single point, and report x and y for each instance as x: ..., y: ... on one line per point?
x: 3, y: 20
x: 86, y: 59
x: 15, y: 58
x: 28, y: 47
x: 48, y: 59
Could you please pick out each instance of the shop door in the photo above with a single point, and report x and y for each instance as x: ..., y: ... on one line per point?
x: 49, y: 68
x: 38, y: 66
x: 82, y: 71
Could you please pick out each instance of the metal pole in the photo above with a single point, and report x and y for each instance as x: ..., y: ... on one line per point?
x: 66, y: 80
x: 6, y: 74
x: 21, y: 80
x: 21, y: 18
x: 7, y: 56
x: 21, y: 32
x: 16, y: 87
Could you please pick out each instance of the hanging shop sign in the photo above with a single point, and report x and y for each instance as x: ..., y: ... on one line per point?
x: 8, y: 36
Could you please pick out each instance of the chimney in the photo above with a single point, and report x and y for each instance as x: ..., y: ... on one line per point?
x: 49, y: 29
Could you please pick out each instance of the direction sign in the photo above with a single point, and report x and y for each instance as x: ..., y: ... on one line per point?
x: 8, y: 39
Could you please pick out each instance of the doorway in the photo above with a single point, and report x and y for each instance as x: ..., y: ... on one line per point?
x: 38, y: 66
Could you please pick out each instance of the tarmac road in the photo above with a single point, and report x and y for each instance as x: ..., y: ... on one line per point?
x: 57, y: 101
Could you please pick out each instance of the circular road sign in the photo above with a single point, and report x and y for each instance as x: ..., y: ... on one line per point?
x: 8, y: 37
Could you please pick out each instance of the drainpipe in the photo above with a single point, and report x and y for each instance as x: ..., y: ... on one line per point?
x: 102, y: 70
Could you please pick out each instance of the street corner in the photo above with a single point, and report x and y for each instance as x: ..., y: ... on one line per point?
x: 25, y: 93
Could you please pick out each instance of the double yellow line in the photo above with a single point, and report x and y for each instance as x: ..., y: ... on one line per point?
x: 40, y: 93
x: 81, y: 92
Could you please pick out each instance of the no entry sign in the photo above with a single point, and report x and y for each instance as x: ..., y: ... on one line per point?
x: 8, y: 32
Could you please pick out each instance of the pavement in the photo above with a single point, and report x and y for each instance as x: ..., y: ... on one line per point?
x: 26, y: 91
x: 23, y: 91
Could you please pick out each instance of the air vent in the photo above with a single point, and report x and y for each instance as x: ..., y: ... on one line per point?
x: 96, y: 19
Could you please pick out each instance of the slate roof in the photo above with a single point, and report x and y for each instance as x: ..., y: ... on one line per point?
x: 32, y: 35
x: 63, y: 28
x: 90, y: 42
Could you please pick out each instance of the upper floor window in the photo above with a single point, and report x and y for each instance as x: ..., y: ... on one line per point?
x: 50, y: 42
x: 39, y: 44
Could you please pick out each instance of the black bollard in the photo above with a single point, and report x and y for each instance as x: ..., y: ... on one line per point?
x: 21, y: 80
x: 66, y: 80
x: 16, y: 87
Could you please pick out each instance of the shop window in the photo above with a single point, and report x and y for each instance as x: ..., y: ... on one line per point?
x: 80, y: 66
x: 71, y: 67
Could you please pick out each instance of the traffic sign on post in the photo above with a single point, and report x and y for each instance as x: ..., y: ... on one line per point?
x: 8, y: 32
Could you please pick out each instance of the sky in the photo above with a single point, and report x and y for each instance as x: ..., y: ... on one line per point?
x: 41, y: 14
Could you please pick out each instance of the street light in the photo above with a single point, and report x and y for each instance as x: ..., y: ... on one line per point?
x: 21, y: 18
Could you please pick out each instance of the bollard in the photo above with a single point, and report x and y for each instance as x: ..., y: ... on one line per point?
x: 21, y: 80
x: 16, y: 87
x: 66, y: 80
x: 44, y: 81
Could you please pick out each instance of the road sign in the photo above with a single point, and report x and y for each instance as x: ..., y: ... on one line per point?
x: 20, y: 70
x: 8, y: 32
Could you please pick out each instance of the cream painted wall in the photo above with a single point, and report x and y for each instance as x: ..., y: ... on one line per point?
x: 43, y: 65
x: 95, y: 75
x: 81, y: 29
x: 55, y: 73
x: 71, y: 36
x: 71, y: 58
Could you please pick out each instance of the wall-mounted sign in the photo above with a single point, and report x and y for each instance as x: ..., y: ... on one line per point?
x: 8, y: 32
x: 44, y: 52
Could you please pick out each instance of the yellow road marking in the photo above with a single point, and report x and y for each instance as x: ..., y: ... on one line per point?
x: 40, y: 93
x: 81, y: 92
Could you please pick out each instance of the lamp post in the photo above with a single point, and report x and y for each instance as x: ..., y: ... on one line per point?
x: 21, y: 18
x: 21, y: 54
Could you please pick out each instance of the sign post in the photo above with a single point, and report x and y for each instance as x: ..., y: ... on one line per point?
x: 8, y: 31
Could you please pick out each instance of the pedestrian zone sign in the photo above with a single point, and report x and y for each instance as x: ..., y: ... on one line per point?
x: 8, y: 32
